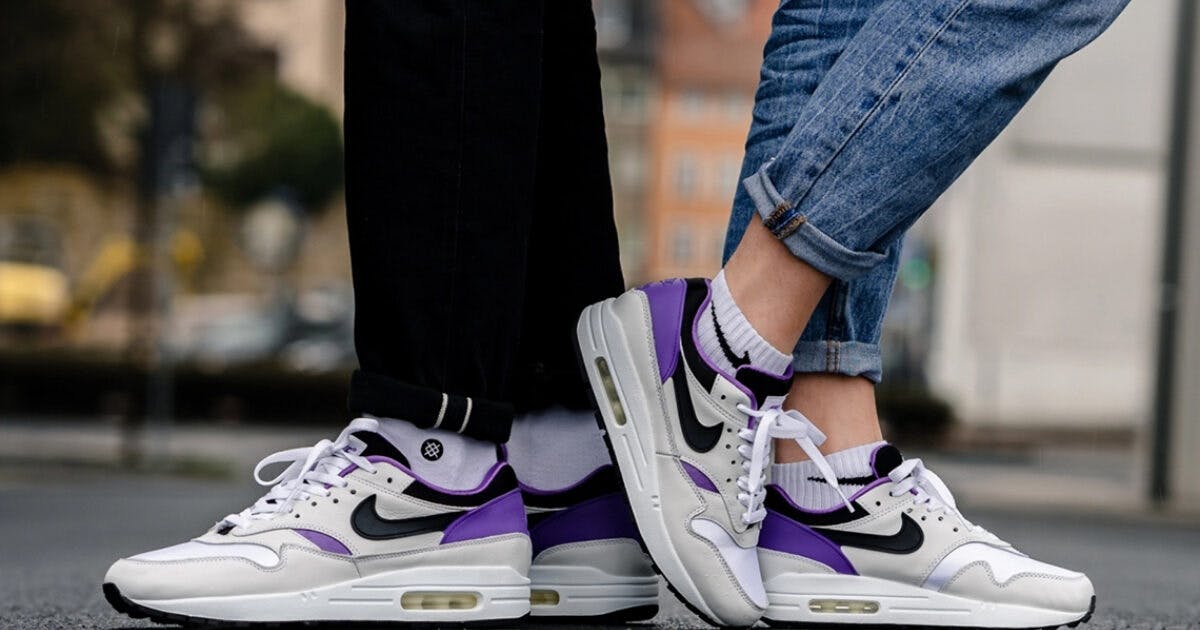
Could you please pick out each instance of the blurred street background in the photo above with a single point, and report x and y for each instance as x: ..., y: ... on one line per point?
x: 175, y: 297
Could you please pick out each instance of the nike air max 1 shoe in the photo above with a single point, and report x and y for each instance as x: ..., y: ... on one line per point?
x: 692, y: 442
x: 587, y: 558
x: 347, y: 533
x: 900, y: 553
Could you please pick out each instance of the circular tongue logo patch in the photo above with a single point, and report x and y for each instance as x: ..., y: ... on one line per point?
x: 431, y: 450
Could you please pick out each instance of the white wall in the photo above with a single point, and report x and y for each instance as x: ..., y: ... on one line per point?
x: 1048, y: 245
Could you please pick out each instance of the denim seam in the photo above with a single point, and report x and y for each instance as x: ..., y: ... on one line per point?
x: 879, y: 102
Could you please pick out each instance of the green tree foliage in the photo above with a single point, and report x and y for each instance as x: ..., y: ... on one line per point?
x: 281, y: 140
x: 61, y: 63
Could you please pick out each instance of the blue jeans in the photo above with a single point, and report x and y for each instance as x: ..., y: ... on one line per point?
x: 866, y: 111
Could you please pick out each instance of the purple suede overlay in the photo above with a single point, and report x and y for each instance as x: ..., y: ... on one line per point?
x: 666, y: 317
x: 780, y: 533
x: 601, y: 518
x: 544, y: 493
x: 323, y: 541
x: 503, y: 515
x: 699, y: 478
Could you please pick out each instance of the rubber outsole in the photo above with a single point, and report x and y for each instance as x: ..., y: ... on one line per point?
x: 128, y: 607
x: 613, y: 456
x: 885, y: 626
x: 628, y: 615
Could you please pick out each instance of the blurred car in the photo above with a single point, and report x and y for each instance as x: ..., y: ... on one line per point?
x: 34, y: 290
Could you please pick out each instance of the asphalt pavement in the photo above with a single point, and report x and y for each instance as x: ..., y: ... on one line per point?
x: 60, y: 527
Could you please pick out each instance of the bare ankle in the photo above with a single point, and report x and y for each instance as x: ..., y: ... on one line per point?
x: 843, y: 407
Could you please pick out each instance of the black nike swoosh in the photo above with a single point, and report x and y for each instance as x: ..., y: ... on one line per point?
x: 700, y: 438
x: 865, y: 480
x: 733, y: 359
x: 905, y: 541
x: 370, y: 525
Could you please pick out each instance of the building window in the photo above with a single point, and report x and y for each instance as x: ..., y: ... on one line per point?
x: 681, y: 243
x: 687, y: 175
x: 737, y: 107
x: 691, y: 104
x: 614, y: 23
x: 729, y: 169
x: 631, y: 168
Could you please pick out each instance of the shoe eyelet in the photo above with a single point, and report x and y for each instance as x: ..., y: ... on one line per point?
x: 389, y: 480
x: 922, y: 518
x: 940, y: 518
x: 314, y: 504
x: 297, y: 515
x: 956, y: 529
x: 335, y: 500
x: 877, y: 504
x: 353, y: 491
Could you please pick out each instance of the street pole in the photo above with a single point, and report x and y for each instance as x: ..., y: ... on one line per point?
x: 1180, y: 160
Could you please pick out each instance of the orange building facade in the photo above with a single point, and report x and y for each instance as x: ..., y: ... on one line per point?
x: 708, y: 59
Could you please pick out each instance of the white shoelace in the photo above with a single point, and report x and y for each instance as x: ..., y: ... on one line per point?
x: 928, y: 489
x: 775, y: 423
x: 312, y: 471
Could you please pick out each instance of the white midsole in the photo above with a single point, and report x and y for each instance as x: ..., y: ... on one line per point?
x: 791, y: 597
x: 600, y: 334
x: 587, y: 591
x: 494, y: 592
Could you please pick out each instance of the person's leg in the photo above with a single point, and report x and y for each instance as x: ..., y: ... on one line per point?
x: 587, y: 561
x: 918, y: 93
x: 441, y: 131
x: 922, y: 89
x: 837, y: 359
x: 679, y: 367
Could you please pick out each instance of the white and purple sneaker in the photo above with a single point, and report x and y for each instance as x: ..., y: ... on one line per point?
x: 692, y: 442
x: 588, y: 563
x: 900, y: 553
x: 348, y: 532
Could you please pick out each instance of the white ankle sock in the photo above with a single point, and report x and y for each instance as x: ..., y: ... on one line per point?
x: 556, y: 448
x: 803, y: 483
x: 444, y: 458
x: 724, y: 330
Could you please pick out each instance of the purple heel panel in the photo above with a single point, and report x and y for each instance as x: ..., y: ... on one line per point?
x: 699, y: 478
x: 666, y: 316
x: 324, y: 542
x: 601, y: 518
x: 503, y: 515
x: 780, y: 533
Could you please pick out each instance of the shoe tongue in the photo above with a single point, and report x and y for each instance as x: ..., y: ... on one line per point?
x: 885, y: 459
x: 764, y: 386
x: 377, y: 444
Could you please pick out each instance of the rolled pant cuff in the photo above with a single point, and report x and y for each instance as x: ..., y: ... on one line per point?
x: 383, y: 396
x: 803, y: 239
x: 849, y: 358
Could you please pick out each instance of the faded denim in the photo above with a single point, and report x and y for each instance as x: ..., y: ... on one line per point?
x: 866, y: 112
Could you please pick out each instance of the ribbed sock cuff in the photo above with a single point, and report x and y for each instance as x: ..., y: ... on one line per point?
x: 804, y: 484
x: 737, y: 332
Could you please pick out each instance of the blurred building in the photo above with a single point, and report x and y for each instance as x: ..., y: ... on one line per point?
x: 1047, y: 249
x: 626, y: 39
x: 708, y: 57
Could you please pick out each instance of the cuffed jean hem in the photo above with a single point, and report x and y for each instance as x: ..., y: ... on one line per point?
x: 386, y: 397
x: 849, y: 358
x: 804, y: 240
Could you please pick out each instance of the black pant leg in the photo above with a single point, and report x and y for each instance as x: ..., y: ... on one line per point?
x: 441, y: 128
x: 573, y: 254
